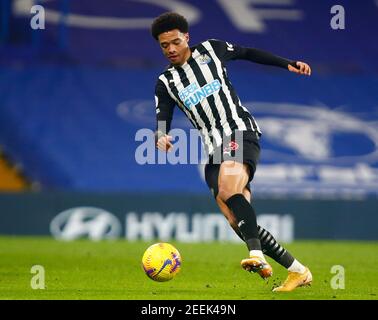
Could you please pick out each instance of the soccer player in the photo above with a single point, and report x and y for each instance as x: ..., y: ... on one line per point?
x: 196, y: 81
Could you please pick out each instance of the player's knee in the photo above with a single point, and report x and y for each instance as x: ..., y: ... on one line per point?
x: 225, y: 191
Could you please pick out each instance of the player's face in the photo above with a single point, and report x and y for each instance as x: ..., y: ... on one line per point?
x: 175, y: 46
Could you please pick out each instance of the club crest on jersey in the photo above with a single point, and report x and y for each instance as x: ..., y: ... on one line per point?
x: 204, y: 59
x: 193, y: 94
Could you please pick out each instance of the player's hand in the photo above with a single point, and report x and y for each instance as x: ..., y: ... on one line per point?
x: 302, y: 68
x: 164, y: 143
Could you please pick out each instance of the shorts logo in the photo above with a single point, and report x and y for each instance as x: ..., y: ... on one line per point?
x: 232, y: 146
x: 204, y: 59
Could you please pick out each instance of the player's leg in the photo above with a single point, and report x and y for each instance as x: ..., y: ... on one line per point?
x: 229, y: 214
x: 298, y: 274
x: 269, y: 244
x: 212, y: 177
x: 250, y: 159
x: 232, y: 179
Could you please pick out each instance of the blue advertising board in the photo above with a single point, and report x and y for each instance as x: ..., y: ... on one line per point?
x: 187, y: 218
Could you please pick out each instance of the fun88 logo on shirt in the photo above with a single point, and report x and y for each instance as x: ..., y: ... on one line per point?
x: 193, y: 94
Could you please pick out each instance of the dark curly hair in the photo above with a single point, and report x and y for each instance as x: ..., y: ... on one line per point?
x: 169, y: 21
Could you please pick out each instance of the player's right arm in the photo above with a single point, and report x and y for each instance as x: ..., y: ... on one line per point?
x: 164, y: 112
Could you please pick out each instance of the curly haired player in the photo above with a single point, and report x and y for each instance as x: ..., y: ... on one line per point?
x: 197, y: 82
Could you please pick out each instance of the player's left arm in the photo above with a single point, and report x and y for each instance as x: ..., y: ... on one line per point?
x: 267, y: 58
x: 227, y: 51
x: 300, y: 68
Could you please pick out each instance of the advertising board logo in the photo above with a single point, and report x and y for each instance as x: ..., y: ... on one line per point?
x: 85, y: 222
x: 313, y: 134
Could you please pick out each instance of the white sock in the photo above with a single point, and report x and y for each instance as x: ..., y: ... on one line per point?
x: 296, y: 266
x: 256, y: 253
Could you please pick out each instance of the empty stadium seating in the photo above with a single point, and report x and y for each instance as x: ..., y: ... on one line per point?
x: 73, y: 97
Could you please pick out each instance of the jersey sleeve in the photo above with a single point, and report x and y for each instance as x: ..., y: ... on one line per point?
x: 228, y: 51
x: 164, y: 109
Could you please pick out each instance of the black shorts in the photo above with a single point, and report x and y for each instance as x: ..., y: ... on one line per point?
x: 229, y: 151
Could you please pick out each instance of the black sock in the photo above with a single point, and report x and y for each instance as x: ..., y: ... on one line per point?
x: 273, y: 249
x: 237, y: 231
x: 246, y: 217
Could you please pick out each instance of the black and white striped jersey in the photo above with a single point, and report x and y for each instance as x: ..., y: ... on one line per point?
x: 203, y: 91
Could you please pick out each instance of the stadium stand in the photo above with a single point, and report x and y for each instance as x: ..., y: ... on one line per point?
x: 73, y: 97
x: 10, y: 178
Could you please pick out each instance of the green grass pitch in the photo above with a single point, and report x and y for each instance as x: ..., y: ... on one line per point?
x: 112, y: 270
